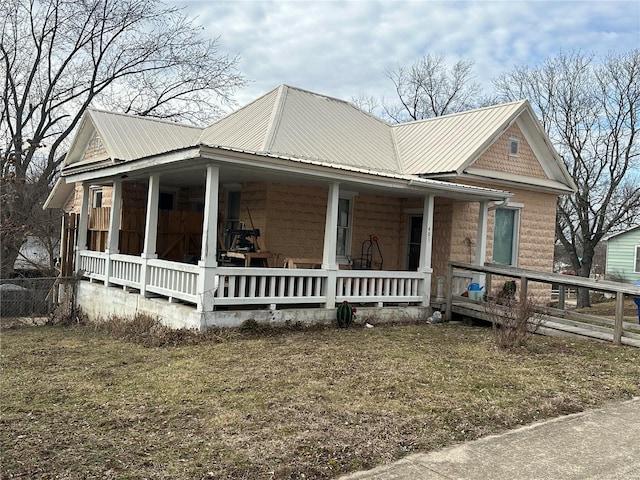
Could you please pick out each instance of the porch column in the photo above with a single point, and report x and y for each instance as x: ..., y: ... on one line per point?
x: 113, y: 238
x: 150, y: 230
x: 83, y: 224
x: 208, y: 261
x: 330, y: 241
x: 481, y: 241
x: 426, y: 246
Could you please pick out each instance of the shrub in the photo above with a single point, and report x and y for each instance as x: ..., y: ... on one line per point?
x: 513, y: 320
x: 150, y: 332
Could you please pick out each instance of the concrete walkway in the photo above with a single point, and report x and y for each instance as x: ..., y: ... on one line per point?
x: 598, y: 444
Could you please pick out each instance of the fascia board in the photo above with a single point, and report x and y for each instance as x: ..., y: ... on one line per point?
x: 59, y: 194
x: 124, y: 168
x: 207, y: 154
x: 345, y: 174
x: 511, y: 180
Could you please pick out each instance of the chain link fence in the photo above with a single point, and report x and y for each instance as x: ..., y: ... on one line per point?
x: 28, y: 297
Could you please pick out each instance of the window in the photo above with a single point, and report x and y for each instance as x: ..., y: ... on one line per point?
x: 505, y: 236
x: 167, y: 201
x: 637, y: 262
x: 343, y: 243
x: 96, y: 197
x: 514, y: 147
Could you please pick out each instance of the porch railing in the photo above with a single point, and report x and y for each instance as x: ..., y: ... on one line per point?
x: 253, y: 286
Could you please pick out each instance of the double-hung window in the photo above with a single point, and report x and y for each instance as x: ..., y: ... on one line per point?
x: 505, y: 236
x: 345, y: 219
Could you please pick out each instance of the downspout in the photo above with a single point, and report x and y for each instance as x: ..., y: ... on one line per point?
x: 502, y: 204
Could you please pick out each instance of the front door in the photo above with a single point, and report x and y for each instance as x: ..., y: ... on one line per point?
x: 415, y: 238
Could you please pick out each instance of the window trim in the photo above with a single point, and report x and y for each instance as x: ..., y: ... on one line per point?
x: 515, y: 238
x: 636, y: 260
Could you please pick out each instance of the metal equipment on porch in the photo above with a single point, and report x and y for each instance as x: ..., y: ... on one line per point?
x: 368, y: 250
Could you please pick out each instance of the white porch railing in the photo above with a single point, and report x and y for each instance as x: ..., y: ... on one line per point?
x: 93, y: 265
x: 362, y: 286
x: 254, y: 286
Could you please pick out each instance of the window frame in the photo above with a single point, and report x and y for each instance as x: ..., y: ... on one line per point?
x: 515, y: 234
x: 636, y: 260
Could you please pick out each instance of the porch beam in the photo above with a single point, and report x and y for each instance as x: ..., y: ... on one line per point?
x: 330, y: 241
x: 83, y: 224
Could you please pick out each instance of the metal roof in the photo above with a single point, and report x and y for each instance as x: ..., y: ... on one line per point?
x: 246, y: 128
x: 297, y: 123
x: 127, y: 137
x: 449, y: 143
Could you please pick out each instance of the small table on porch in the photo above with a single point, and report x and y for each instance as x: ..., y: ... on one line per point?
x: 256, y: 259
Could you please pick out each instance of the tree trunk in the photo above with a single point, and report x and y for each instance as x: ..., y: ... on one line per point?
x: 10, y: 250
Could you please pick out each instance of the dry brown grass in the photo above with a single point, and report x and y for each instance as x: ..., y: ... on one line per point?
x: 311, y: 403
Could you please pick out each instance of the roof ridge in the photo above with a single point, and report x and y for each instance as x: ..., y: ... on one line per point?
x: 465, y: 112
x: 275, y: 117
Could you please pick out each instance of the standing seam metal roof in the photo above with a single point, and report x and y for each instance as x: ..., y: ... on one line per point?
x: 128, y: 137
x: 296, y: 123
x: 446, y: 144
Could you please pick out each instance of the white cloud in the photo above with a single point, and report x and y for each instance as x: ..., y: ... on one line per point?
x: 342, y: 48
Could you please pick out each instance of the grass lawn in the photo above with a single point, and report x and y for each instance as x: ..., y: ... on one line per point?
x: 312, y: 403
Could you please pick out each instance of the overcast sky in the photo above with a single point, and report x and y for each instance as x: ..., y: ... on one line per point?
x: 342, y: 48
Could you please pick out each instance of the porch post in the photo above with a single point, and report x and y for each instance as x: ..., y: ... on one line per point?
x: 83, y: 224
x: 330, y: 240
x: 481, y: 241
x: 150, y: 230
x: 426, y: 246
x: 113, y: 238
x: 208, y: 261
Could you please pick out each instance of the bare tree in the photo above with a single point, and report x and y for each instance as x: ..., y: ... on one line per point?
x: 429, y: 88
x: 590, y: 111
x: 60, y: 56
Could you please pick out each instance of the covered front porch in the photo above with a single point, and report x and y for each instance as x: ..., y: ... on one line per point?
x: 208, y: 292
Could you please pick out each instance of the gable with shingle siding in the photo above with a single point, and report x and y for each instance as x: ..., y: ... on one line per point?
x: 497, y: 156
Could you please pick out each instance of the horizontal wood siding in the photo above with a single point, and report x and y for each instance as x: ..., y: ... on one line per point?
x: 621, y: 251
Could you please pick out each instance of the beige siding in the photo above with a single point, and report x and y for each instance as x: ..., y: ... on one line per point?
x: 382, y: 217
x: 95, y: 150
x: 497, y: 157
x: 296, y: 219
